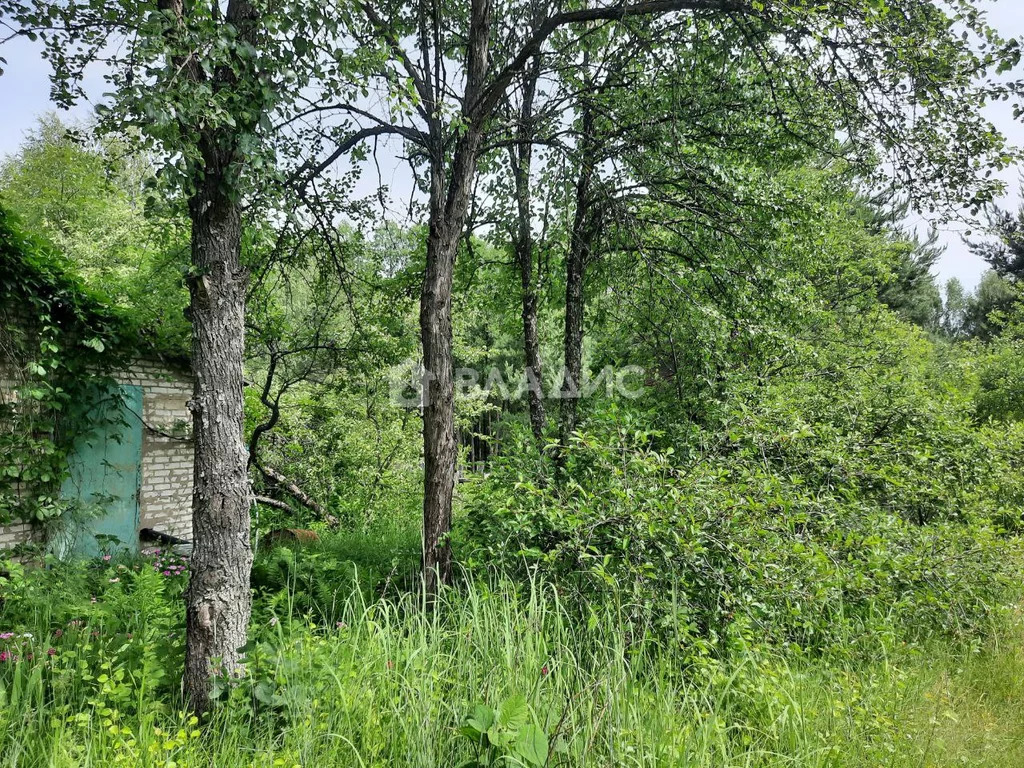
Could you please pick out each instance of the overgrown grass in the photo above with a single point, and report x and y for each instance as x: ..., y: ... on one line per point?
x: 968, y: 705
x: 390, y: 685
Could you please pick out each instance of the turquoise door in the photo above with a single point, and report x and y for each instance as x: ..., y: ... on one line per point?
x: 104, y: 475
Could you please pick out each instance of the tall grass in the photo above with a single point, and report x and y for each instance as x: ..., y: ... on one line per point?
x: 388, y: 684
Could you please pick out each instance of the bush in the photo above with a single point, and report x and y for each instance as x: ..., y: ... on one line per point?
x: 854, y: 497
x: 1000, y: 395
x: 103, y: 636
x: 391, y: 685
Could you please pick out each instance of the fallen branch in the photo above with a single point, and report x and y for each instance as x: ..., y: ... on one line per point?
x: 289, y: 487
x: 269, y: 502
x: 292, y: 489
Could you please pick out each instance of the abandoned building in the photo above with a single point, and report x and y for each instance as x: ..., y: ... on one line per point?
x: 132, y: 468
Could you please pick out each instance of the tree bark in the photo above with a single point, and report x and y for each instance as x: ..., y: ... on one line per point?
x: 522, y: 158
x: 580, y: 246
x: 449, y: 208
x: 293, y: 490
x: 439, y: 443
x: 450, y: 192
x: 267, y: 501
x: 218, y: 600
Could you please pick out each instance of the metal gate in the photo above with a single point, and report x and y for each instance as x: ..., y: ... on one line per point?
x: 104, y: 477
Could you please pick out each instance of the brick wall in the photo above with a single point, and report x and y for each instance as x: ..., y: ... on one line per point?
x: 165, y: 496
x: 10, y: 379
x: 17, y: 533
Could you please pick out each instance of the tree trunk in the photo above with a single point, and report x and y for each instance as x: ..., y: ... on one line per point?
x: 580, y: 243
x: 450, y: 193
x: 293, y: 490
x: 572, y: 344
x: 218, y: 597
x: 449, y: 206
x: 522, y: 157
x: 534, y: 371
x: 439, y: 444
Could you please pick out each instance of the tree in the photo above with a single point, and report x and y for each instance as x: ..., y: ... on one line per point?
x: 1005, y: 252
x: 814, y: 86
x: 988, y: 306
x: 327, y: 319
x: 954, y: 309
x: 521, y: 160
x: 896, y: 78
x: 198, y: 84
x: 451, y: 123
x: 582, y: 235
x: 912, y: 290
x: 978, y: 314
x: 85, y: 194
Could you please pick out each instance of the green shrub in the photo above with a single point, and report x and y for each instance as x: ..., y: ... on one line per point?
x: 1000, y: 395
x: 855, y: 496
x: 391, y: 685
x: 104, y: 636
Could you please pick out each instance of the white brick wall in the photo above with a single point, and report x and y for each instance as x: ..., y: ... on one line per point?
x: 165, y: 496
x: 17, y: 533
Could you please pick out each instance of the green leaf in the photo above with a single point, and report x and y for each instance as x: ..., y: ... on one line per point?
x: 511, y: 717
x: 217, y: 688
x: 479, y: 720
x: 264, y: 693
x: 472, y: 734
x: 532, y: 745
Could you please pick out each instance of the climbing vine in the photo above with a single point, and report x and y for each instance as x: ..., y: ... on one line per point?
x: 59, y: 344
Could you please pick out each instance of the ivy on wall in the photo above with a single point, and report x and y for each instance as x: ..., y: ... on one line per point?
x: 59, y: 344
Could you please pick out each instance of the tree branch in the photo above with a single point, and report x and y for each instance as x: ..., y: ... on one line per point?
x: 484, y: 105
x: 384, y: 30
x: 293, y: 490
x: 308, y: 171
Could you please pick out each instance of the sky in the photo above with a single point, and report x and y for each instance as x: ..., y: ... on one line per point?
x: 25, y: 95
